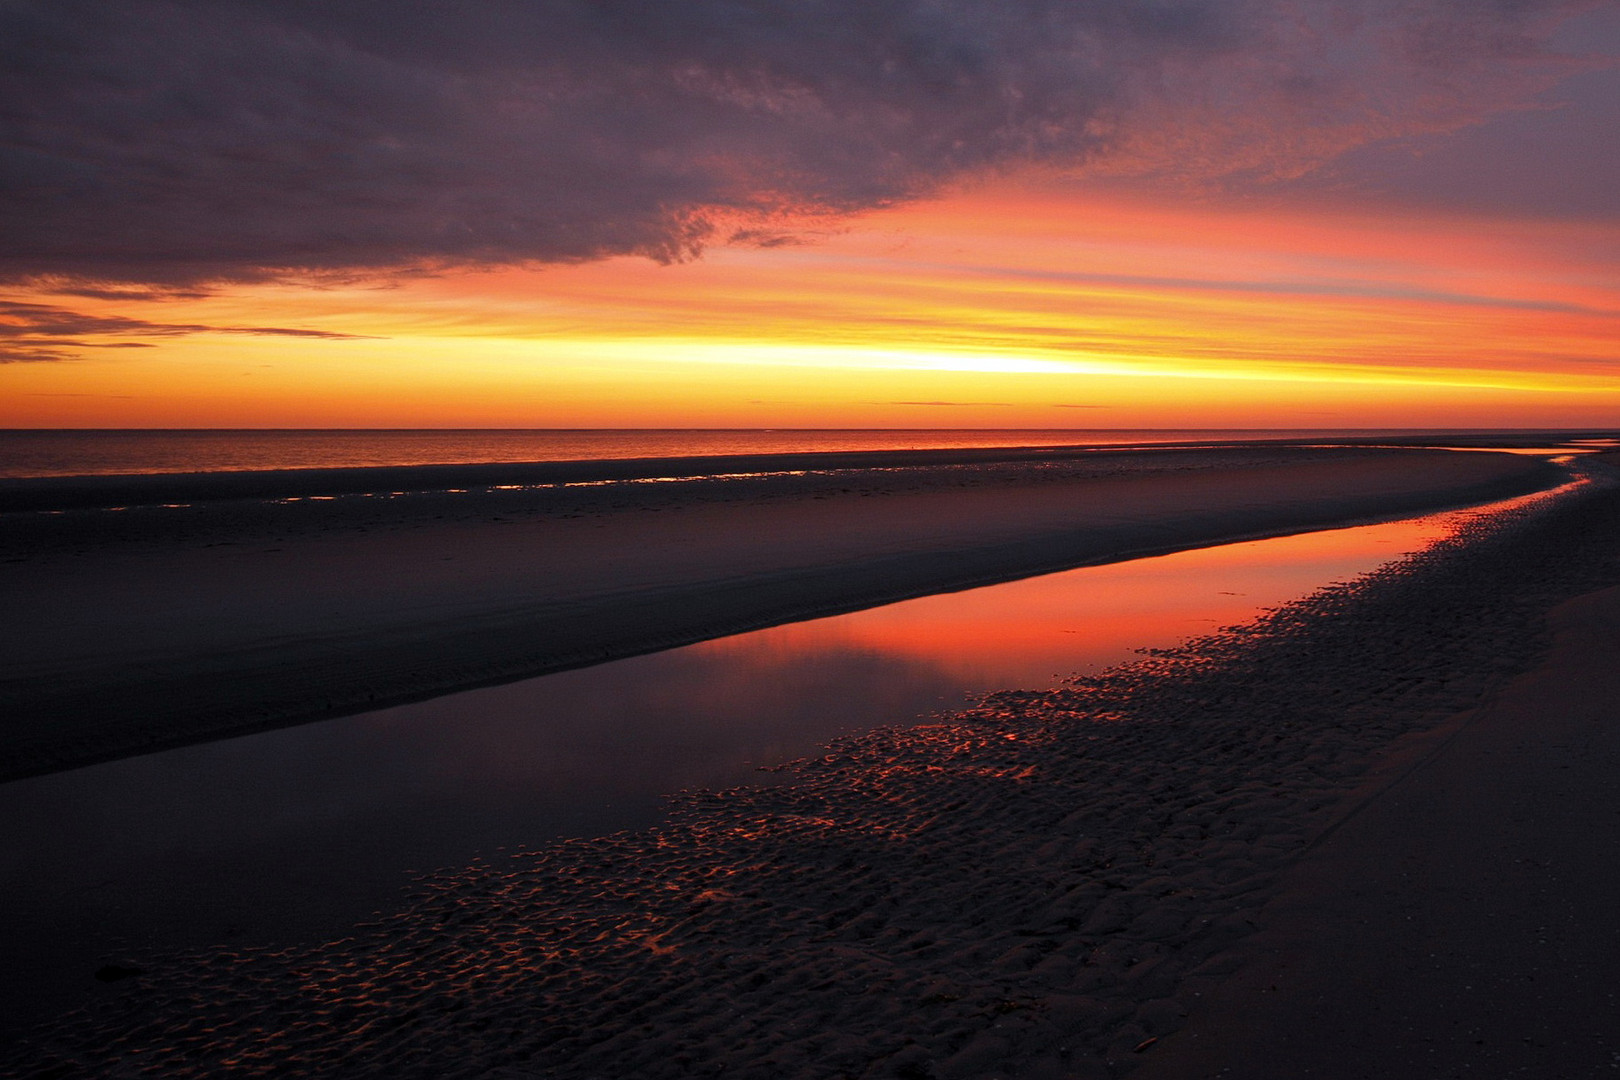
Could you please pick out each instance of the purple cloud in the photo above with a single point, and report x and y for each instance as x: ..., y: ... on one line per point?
x: 1560, y: 160
x: 33, y: 333
x: 170, y: 143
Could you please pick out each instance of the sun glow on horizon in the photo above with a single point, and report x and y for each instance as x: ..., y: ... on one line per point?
x: 1017, y: 305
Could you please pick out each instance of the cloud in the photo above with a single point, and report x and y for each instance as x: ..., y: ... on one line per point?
x: 1556, y: 161
x: 32, y: 333
x: 144, y: 292
x: 765, y: 238
x: 1325, y: 286
x: 954, y: 404
x: 168, y: 143
x: 32, y: 354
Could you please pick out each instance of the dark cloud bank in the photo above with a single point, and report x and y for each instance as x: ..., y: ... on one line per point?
x: 172, y: 144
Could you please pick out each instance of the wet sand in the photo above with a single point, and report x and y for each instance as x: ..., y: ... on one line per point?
x: 1049, y: 885
x: 151, y: 627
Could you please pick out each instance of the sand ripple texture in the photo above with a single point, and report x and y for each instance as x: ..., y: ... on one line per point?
x: 1037, y: 887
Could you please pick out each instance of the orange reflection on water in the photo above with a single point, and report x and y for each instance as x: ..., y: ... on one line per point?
x: 1035, y: 631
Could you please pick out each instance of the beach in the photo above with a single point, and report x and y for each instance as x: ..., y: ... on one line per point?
x: 1459, y: 920
x: 271, y: 600
x: 1054, y: 883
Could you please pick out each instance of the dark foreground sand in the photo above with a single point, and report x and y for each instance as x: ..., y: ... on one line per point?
x: 1050, y: 885
x: 138, y: 629
x: 1465, y: 921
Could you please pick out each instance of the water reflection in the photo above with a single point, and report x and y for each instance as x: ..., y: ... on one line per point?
x: 298, y: 833
x: 1029, y: 633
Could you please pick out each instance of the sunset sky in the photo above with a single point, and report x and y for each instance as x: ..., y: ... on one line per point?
x: 811, y: 213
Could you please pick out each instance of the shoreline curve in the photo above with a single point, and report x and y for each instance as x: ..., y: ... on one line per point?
x: 166, y: 628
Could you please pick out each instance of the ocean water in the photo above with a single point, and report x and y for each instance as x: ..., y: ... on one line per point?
x: 102, y: 452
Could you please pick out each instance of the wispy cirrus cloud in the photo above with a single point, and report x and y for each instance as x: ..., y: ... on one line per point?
x: 35, y: 333
x: 173, y: 142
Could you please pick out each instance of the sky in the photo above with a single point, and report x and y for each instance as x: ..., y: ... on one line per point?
x: 810, y: 213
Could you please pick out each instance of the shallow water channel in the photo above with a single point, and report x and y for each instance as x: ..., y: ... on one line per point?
x: 299, y: 833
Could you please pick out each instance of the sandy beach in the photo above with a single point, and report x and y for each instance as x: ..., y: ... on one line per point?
x: 153, y: 626
x: 1459, y: 920
x: 1052, y: 884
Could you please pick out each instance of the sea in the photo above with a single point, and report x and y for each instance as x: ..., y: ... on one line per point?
x: 103, y: 452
